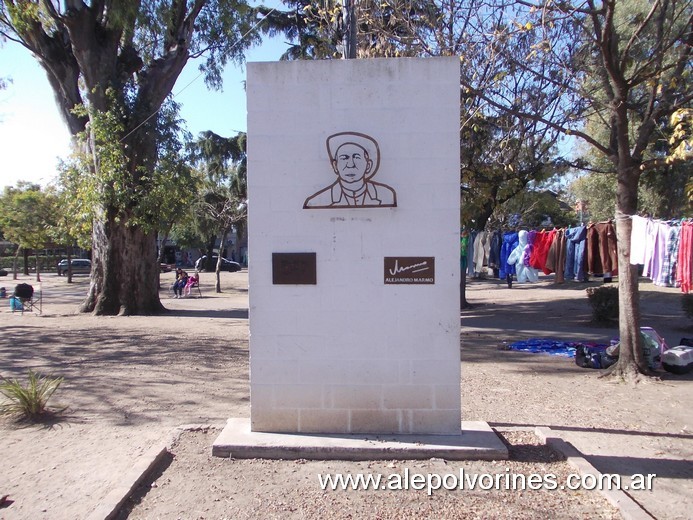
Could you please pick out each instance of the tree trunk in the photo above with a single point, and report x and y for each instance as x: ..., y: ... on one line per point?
x: 217, y: 285
x: 69, y: 264
x: 25, y: 254
x: 631, y: 363
x: 38, y: 267
x: 124, y: 273
x: 464, y: 304
x: 14, y: 263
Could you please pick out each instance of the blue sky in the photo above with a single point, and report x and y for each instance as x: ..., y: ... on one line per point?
x: 33, y: 136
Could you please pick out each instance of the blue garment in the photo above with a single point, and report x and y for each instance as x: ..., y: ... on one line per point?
x: 470, y: 253
x: 576, y: 241
x: 555, y: 347
x: 494, y: 251
x: 510, y: 242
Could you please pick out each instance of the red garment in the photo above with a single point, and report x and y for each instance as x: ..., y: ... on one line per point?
x: 542, y: 243
x: 684, y: 263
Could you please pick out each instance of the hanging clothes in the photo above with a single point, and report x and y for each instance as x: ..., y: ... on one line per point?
x: 464, y: 240
x: 510, y: 242
x: 542, y: 243
x: 576, y: 239
x: 602, y: 254
x: 487, y: 248
x: 684, y: 270
x: 638, y: 239
x: 651, y: 245
x: 470, y: 253
x: 663, y: 232
x: 668, y: 275
x: 479, y: 251
x: 657, y: 243
x: 532, y: 242
x: 555, y: 259
x: 494, y: 249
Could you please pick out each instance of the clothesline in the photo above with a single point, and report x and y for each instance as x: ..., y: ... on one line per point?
x: 663, y: 248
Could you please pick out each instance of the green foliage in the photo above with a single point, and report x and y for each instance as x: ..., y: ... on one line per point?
x: 28, y: 401
x: 224, y: 197
x: 598, y: 190
x: 687, y: 304
x: 661, y: 193
x: 112, y: 94
x: 315, y: 28
x: 604, y: 303
x: 534, y: 209
x: 100, y: 176
x: 74, y: 211
x: 26, y: 215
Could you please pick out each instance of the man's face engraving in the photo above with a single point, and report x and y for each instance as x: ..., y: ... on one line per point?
x: 351, y: 163
x: 355, y: 159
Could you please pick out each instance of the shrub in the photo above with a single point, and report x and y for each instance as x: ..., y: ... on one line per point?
x: 30, y: 401
x: 687, y: 304
x: 604, y: 302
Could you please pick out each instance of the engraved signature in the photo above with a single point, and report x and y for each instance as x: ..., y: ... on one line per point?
x: 414, y: 268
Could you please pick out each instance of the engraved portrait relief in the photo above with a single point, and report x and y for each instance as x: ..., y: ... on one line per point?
x: 355, y: 159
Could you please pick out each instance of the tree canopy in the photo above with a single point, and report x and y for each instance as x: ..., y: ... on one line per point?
x: 112, y: 65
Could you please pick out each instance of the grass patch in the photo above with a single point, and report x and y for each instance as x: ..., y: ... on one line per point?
x: 28, y: 402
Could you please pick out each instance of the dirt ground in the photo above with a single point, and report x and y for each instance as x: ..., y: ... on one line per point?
x: 130, y: 381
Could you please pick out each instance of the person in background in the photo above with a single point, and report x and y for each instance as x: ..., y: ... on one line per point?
x: 180, y: 283
x: 192, y: 282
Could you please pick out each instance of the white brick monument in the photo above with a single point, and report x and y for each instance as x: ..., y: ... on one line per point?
x: 354, y: 246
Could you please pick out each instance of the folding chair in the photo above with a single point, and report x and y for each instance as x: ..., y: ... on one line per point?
x: 29, y: 300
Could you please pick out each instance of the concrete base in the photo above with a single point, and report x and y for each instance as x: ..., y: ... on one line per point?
x: 477, y: 441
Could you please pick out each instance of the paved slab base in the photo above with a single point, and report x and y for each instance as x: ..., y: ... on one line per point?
x: 476, y: 441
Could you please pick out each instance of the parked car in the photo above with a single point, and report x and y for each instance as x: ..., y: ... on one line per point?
x: 226, y: 265
x: 79, y: 266
x: 165, y: 268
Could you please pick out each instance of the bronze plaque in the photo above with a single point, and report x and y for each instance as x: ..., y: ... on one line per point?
x: 410, y: 270
x: 293, y: 269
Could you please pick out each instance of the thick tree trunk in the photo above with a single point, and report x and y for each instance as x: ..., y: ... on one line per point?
x: 630, y: 360
x: 631, y: 363
x: 124, y: 273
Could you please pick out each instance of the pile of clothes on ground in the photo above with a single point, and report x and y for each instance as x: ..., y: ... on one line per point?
x: 678, y: 360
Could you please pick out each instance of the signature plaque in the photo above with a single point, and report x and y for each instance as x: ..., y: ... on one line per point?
x: 413, y: 270
x: 293, y: 269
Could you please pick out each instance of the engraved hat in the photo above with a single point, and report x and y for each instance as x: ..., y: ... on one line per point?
x: 364, y: 141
